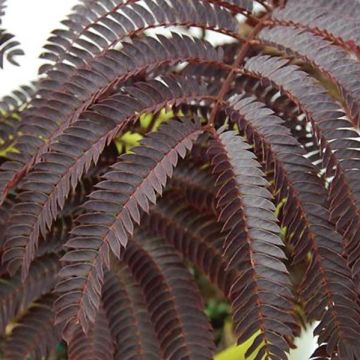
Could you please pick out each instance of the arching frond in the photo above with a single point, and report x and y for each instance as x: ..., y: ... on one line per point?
x: 92, y: 31
x: 60, y: 105
x: 173, y: 302
x: 342, y: 30
x: 97, y: 345
x: 336, y: 63
x: 252, y: 245
x: 337, y: 137
x: 74, y: 153
x: 112, y: 210
x: 130, y: 322
x: 306, y: 218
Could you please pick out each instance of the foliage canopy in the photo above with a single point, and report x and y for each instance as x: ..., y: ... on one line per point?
x: 137, y: 156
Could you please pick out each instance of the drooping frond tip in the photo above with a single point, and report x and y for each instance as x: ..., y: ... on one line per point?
x: 253, y: 245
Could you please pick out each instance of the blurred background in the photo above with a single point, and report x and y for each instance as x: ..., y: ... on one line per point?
x: 31, y: 21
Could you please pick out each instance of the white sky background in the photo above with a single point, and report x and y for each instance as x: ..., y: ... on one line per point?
x: 31, y: 21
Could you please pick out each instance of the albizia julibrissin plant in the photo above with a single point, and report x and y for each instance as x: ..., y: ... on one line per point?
x: 245, y: 166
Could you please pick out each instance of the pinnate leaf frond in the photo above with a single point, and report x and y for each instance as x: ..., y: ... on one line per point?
x: 173, y: 301
x: 97, y: 344
x: 306, y: 218
x: 66, y: 97
x: 74, y: 153
x: 333, y: 61
x: 92, y: 32
x: 112, y: 210
x: 340, y: 156
x: 342, y: 30
x: 130, y: 322
x: 252, y: 245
